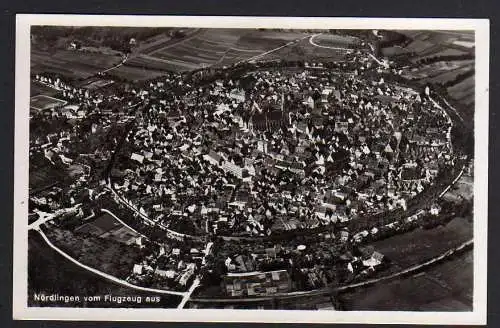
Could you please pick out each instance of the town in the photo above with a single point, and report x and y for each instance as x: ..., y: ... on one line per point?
x: 258, y: 179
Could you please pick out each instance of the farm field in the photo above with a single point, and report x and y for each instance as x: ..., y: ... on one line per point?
x: 37, y: 88
x: 203, y: 48
x: 445, y: 287
x: 199, y: 48
x: 105, y: 226
x: 131, y: 73
x: 161, y: 40
x: 102, y: 254
x: 305, y: 50
x: 463, y: 188
x: 416, y: 246
x: 456, y: 274
x: 47, y: 269
x: 94, y: 84
x: 440, y: 72
x: 428, y: 61
x: 71, y: 64
x: 463, y: 91
x: 41, y: 177
x: 439, y: 43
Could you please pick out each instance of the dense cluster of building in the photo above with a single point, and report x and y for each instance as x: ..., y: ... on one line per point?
x: 307, y: 263
x: 171, y: 266
x: 278, y: 150
x: 250, y: 156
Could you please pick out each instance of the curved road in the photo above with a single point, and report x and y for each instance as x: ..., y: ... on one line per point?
x: 311, y: 41
x: 103, y: 274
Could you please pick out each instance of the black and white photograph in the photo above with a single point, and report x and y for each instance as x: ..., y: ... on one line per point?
x: 177, y: 168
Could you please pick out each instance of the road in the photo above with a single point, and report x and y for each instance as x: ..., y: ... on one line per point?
x: 146, y: 218
x: 135, y: 54
x: 123, y: 223
x: 330, y: 289
x: 311, y: 41
x: 116, y: 66
x: 105, y: 275
x: 187, y: 296
x: 43, y: 217
x: 196, y: 282
x: 273, y: 50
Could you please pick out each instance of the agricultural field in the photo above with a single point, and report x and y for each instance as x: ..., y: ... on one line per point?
x: 463, y: 189
x: 463, y: 91
x: 37, y: 88
x: 439, y: 43
x: 310, y: 47
x: 195, y: 49
x: 443, y: 58
x: 72, y: 64
x: 102, y: 254
x: 202, y: 48
x: 456, y: 274
x: 50, y: 273
x: 94, y: 84
x: 131, y: 73
x: 439, y: 72
x: 105, y: 226
x: 42, y: 102
x: 445, y: 287
x: 416, y: 246
x: 42, y: 177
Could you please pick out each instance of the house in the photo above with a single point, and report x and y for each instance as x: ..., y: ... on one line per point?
x: 238, y: 95
x: 137, y: 269
x: 256, y: 283
x: 166, y: 273
x: 137, y: 157
x: 375, y: 260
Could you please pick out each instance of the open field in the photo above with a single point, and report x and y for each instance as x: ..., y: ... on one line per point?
x: 50, y: 273
x: 414, y: 247
x: 464, y: 188
x: 42, y: 102
x: 203, y: 48
x: 445, y: 287
x: 439, y: 43
x: 37, y: 88
x: 456, y: 274
x: 122, y: 234
x: 102, y: 254
x: 443, y: 58
x: 219, y: 47
x: 94, y: 84
x: 309, y: 49
x: 135, y: 73
x: 43, y: 177
x: 463, y: 91
x: 105, y: 226
x: 72, y: 64
x: 100, y: 225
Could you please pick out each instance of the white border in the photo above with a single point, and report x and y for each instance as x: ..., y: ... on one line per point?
x: 21, y: 176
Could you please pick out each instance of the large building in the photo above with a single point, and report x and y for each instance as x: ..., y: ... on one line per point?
x: 256, y: 283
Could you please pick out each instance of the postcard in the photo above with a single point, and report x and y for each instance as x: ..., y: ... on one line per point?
x: 251, y: 169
